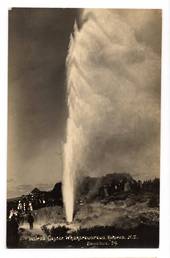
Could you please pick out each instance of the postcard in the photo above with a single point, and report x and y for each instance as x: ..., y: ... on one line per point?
x: 84, y: 93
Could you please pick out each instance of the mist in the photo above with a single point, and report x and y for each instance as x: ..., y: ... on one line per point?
x: 113, y: 91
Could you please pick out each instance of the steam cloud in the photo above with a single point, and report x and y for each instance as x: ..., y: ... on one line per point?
x: 113, y: 80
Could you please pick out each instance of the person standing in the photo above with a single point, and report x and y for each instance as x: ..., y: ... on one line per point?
x: 30, y: 220
x: 12, y: 232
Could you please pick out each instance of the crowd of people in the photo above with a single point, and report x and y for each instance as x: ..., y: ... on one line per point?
x: 23, y: 213
x: 17, y: 217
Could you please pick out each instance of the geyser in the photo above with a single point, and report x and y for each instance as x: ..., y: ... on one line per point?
x: 69, y: 151
x: 113, y: 76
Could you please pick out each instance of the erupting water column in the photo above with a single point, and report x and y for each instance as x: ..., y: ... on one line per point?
x: 69, y: 169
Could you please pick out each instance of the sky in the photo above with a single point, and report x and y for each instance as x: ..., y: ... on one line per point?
x: 38, y: 46
x: 38, y: 43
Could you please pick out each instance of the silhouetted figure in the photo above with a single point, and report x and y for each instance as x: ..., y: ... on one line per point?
x: 30, y: 220
x: 12, y: 232
x: 30, y: 208
x: 19, y: 207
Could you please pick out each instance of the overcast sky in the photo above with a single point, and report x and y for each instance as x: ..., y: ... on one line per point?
x: 38, y: 43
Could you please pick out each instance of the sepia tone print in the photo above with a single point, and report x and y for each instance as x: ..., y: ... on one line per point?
x: 84, y: 128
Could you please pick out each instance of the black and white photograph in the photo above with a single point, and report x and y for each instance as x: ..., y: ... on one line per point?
x: 84, y: 98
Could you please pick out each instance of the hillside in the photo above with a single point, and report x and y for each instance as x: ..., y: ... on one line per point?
x: 107, y: 188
